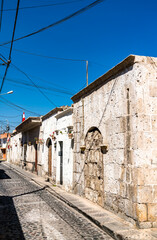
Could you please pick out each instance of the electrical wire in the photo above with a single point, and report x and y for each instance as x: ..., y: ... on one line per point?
x: 41, y: 87
x: 80, y: 11
x: 2, y: 1
x: 15, y: 106
x: 41, y: 78
x: 9, y: 60
x: 50, y: 57
x: 10, y: 116
x: 40, y: 6
x: 35, y: 85
x: 3, y: 121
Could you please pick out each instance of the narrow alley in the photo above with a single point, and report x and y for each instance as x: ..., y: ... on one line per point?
x: 30, y: 212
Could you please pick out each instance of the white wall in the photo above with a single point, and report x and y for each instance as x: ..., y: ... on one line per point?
x: 62, y: 126
x: 48, y: 127
x: 14, y: 153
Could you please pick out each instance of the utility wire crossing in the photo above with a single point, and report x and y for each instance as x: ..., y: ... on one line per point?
x: 59, y: 21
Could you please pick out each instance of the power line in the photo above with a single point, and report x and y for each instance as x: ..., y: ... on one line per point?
x: 38, y: 77
x: 4, y: 121
x: 2, y: 1
x: 45, y: 88
x: 9, y: 60
x: 44, y: 56
x: 35, y: 85
x: 15, y: 106
x: 59, y: 21
x: 12, y: 40
x: 4, y: 116
x: 40, y: 6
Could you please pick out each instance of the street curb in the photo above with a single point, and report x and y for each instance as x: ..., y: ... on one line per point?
x: 128, y: 234
x: 49, y: 189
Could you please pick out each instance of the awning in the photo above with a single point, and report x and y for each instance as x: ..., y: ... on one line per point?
x: 28, y: 124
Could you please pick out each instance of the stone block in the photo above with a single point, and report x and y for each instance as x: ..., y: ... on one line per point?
x: 140, y: 106
x: 146, y: 140
x: 154, y: 224
x: 142, y: 158
x: 154, y: 123
x: 117, y: 171
x: 144, y: 123
x: 145, y: 225
x: 141, y: 212
x: 153, y: 102
x: 117, y: 156
x: 112, y: 186
x: 144, y: 194
x: 155, y: 193
x: 117, y: 141
x: 154, y: 157
x: 153, y: 89
x: 152, y: 212
x: 147, y: 176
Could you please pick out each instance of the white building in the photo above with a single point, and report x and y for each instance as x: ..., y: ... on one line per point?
x: 64, y: 149
x: 48, y: 148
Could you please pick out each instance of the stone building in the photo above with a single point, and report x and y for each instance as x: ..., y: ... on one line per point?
x: 115, y: 139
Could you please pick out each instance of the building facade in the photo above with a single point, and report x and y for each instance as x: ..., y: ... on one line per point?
x: 43, y: 145
x: 64, y: 148
x: 3, y: 145
x: 115, y: 132
x: 104, y: 147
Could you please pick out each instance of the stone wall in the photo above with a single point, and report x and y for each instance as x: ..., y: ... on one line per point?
x: 123, y: 109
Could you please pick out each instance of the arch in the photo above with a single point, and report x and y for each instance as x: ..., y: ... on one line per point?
x: 49, y: 145
x: 92, y: 129
x: 93, y: 170
x: 48, y: 142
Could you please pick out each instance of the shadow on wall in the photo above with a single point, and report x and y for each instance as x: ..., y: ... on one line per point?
x: 9, y: 221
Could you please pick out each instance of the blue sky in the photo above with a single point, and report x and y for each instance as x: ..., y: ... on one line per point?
x: 103, y: 35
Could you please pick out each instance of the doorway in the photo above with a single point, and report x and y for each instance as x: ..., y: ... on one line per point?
x: 93, y: 171
x: 61, y: 161
x: 49, y: 145
x: 36, y: 157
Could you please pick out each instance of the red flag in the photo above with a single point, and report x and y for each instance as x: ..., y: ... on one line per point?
x: 23, y: 117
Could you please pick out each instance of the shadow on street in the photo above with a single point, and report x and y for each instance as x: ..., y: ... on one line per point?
x: 3, y: 175
x: 10, y: 228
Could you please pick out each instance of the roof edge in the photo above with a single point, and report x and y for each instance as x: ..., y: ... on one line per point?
x: 130, y: 60
x: 53, y: 111
x: 26, y: 121
x: 61, y: 114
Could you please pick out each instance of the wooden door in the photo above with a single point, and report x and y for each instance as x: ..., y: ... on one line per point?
x: 50, y: 161
x: 61, y: 162
x: 36, y: 158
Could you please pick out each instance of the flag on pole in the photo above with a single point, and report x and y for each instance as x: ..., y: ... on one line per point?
x: 23, y: 117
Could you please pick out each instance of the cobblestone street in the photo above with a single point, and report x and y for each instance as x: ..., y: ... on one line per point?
x: 28, y: 211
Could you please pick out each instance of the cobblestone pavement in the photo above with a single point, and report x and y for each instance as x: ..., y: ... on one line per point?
x: 28, y: 211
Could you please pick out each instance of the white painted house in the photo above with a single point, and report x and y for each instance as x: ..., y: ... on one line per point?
x: 48, y: 148
x: 64, y: 149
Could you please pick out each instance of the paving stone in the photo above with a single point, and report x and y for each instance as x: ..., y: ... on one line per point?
x: 28, y: 211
